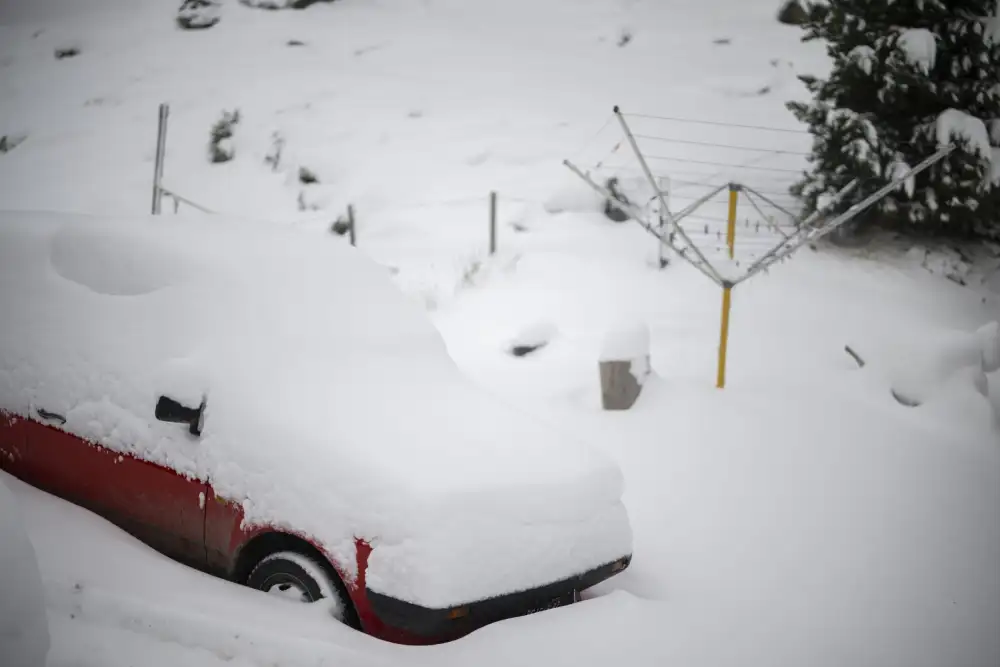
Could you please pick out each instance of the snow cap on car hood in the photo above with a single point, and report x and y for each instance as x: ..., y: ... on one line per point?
x: 332, y: 405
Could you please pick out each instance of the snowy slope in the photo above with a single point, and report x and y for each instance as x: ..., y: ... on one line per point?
x: 801, y: 516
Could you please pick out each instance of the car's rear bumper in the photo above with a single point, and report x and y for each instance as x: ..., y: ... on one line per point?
x: 429, y: 626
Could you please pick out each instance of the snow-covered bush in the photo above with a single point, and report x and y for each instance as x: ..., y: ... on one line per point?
x: 198, y: 14
x: 792, y: 13
x: 907, y: 78
x: 24, y: 627
x: 67, y: 51
x: 281, y: 4
x: 9, y: 142
x: 220, y: 145
x: 273, y: 157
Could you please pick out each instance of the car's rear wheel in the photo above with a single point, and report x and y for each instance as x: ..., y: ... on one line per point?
x: 298, y: 577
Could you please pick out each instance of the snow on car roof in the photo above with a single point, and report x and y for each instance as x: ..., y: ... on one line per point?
x: 332, y: 405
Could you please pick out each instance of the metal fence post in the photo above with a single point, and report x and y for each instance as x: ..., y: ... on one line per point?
x: 493, y: 223
x: 161, y: 145
x: 350, y: 222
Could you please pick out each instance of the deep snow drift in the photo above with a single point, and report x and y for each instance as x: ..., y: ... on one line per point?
x: 24, y: 628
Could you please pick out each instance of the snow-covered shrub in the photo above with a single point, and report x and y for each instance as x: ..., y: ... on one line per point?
x: 281, y: 4
x: 273, y: 156
x: 220, y: 145
x: 907, y: 78
x: 67, y: 51
x: 198, y: 14
x: 792, y: 13
x: 341, y: 226
x: 24, y: 627
x: 307, y: 176
x: 9, y: 142
x: 611, y: 211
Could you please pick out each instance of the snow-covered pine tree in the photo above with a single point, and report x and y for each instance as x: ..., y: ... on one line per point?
x: 907, y: 75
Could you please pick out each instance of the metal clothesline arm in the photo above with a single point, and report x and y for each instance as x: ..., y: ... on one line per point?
x: 663, y: 203
x: 827, y: 227
x: 634, y: 213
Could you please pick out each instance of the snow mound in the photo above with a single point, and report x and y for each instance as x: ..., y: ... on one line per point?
x: 919, y: 372
x: 629, y: 342
x: 989, y: 338
x: 962, y: 398
x: 531, y: 338
x: 126, y: 265
x: 332, y: 406
x: 24, y: 627
x: 626, y: 342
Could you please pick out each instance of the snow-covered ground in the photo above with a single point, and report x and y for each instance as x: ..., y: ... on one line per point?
x: 800, y: 516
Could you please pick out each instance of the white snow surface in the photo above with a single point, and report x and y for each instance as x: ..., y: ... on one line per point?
x: 626, y: 342
x: 24, y: 627
x: 365, y: 429
x: 919, y: 45
x: 989, y: 339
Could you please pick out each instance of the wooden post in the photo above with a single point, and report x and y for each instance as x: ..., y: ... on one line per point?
x: 493, y: 223
x: 624, y: 367
x: 351, y: 224
x: 161, y: 145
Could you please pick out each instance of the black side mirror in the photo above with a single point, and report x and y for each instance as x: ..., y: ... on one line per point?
x: 169, y: 410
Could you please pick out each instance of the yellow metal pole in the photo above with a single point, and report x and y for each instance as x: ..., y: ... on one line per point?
x: 734, y: 194
x: 727, y: 290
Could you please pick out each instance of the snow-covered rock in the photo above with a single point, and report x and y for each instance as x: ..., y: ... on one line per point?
x: 24, y: 629
x: 198, y: 14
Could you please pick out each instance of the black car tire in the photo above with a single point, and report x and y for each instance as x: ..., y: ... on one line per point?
x: 297, y: 575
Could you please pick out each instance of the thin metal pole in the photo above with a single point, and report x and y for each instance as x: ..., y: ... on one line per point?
x: 350, y: 222
x: 734, y: 196
x: 662, y: 229
x: 177, y: 198
x: 493, y: 223
x: 761, y: 213
x: 727, y: 300
x: 161, y: 144
x: 784, y: 210
x: 663, y: 204
x: 847, y: 215
x: 636, y: 215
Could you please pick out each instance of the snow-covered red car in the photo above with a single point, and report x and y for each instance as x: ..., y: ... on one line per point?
x: 264, y: 404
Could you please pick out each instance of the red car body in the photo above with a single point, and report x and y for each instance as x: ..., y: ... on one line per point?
x: 185, y: 519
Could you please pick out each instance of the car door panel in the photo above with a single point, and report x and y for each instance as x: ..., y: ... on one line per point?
x: 155, y: 504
